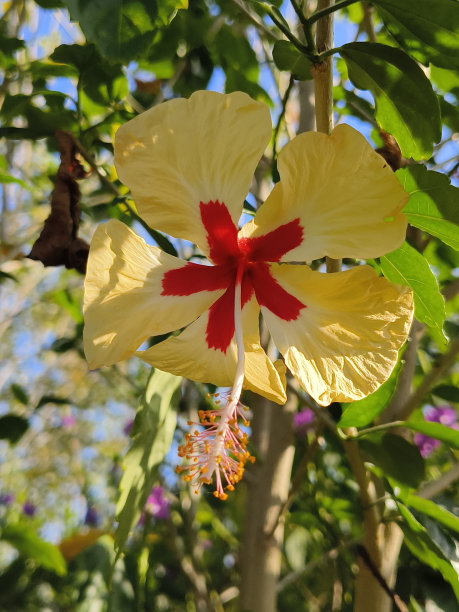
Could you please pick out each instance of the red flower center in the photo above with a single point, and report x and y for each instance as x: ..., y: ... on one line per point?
x: 245, y: 259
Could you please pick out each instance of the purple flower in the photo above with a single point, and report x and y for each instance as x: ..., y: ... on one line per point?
x: 68, y: 421
x: 92, y: 517
x: 29, y: 509
x: 128, y: 426
x: 157, y: 505
x: 445, y: 415
x: 6, y: 499
x: 441, y: 414
x: 304, y: 420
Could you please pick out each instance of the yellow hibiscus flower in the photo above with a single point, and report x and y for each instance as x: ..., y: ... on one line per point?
x: 189, y: 165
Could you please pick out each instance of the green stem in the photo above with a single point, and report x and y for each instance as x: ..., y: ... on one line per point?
x: 327, y: 53
x: 370, y: 430
x: 285, y: 98
x: 299, y: 12
x: 330, y: 9
x: 292, y: 38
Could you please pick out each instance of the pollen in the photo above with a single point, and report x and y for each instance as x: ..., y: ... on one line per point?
x: 217, y: 453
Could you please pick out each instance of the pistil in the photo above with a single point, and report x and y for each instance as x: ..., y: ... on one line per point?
x: 220, y: 447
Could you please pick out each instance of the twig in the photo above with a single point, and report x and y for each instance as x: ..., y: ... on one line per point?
x: 285, y: 99
x: 443, y: 364
x: 258, y: 24
x: 435, y: 487
x: 330, y: 555
x: 296, y: 483
x: 368, y: 21
x: 92, y: 162
x: 399, y: 603
x: 405, y: 379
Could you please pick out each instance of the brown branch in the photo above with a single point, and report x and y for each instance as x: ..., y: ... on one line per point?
x: 443, y: 364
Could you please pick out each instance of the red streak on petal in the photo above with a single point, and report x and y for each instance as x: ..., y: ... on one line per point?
x: 220, y: 325
x: 221, y: 231
x: 194, y: 278
x: 275, y: 244
x: 271, y: 295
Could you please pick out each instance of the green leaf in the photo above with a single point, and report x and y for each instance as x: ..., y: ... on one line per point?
x: 52, y: 399
x: 123, y: 30
x: 66, y: 301
x: 28, y: 544
x: 287, y: 57
x: 50, y: 4
x: 425, y: 549
x: 449, y: 393
x: 12, y: 427
x: 406, y: 105
x: 428, y: 35
x: 8, y: 178
x: 20, y: 394
x: 152, y: 431
x: 167, y: 9
x: 430, y: 508
x: 406, y: 266
x: 433, y: 203
x: 447, y: 80
x: 397, y: 458
x: 434, y: 430
x: 364, y: 411
x: 7, y: 275
x: 102, y: 81
x: 14, y: 133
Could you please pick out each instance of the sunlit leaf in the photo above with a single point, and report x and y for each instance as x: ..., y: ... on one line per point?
x: 428, y: 35
x: 8, y: 178
x: 28, y: 544
x: 430, y: 508
x: 432, y: 206
x: 406, y: 105
x: 438, y: 431
x: 152, y: 431
x: 425, y: 549
x: 122, y: 30
x: 406, y: 266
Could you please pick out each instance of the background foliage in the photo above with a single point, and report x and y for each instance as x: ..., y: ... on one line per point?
x: 85, y: 68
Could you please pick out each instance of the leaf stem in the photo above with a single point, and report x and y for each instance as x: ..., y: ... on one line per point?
x: 285, y: 98
x: 369, y: 430
x: 292, y: 38
x: 319, y: 14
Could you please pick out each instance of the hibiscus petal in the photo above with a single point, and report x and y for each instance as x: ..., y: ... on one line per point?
x: 131, y: 294
x: 341, y: 192
x: 189, y: 355
x: 344, y: 344
x: 182, y: 153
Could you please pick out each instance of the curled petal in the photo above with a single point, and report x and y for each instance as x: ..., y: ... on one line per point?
x: 344, y: 344
x: 182, y: 153
x: 125, y: 299
x: 344, y: 195
x: 189, y: 355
